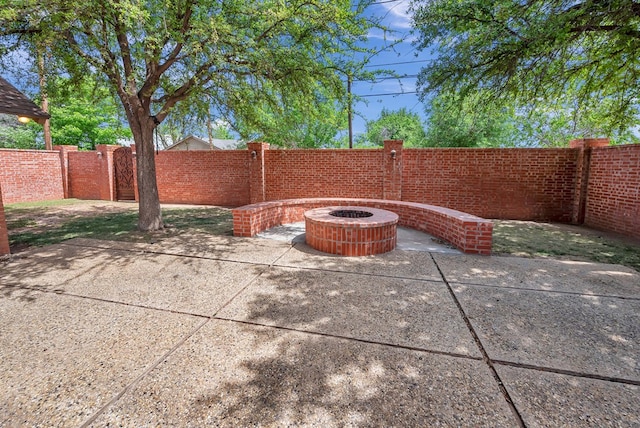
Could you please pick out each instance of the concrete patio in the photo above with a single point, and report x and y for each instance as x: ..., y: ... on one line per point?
x: 221, y: 331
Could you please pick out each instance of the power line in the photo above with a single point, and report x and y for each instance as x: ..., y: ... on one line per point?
x: 378, y: 79
x: 388, y: 94
x: 399, y: 63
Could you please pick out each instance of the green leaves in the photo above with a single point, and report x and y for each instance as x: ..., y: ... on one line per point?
x: 84, y: 114
x: 395, y: 125
x: 536, y: 53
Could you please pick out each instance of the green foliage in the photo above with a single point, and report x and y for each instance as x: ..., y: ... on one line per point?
x: 14, y: 135
x: 478, y: 120
x: 395, y: 125
x: 468, y: 122
x: 293, y: 126
x: 83, y: 114
x: 230, y: 56
x: 542, y: 56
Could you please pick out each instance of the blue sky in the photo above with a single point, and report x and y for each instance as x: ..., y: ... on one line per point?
x: 401, y: 59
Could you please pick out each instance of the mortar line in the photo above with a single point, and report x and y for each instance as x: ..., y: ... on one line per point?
x: 485, y: 355
x: 567, y: 372
x: 139, y: 378
x: 352, y: 339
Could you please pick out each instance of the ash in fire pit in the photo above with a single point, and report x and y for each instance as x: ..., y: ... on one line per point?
x: 351, y: 214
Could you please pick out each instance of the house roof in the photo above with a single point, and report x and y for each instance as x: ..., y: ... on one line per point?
x: 12, y: 101
x: 217, y: 143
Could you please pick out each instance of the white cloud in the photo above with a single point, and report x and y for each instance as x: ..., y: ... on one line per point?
x: 397, y: 14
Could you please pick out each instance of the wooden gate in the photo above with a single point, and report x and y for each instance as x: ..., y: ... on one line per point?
x: 123, y: 171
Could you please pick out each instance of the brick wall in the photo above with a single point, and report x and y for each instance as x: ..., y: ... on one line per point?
x: 528, y: 184
x: 323, y: 174
x: 4, y: 234
x: 613, y: 190
x: 213, y: 177
x: 30, y: 175
x: 85, y: 177
x: 524, y: 184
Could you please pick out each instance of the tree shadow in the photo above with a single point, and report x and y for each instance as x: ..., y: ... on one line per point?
x: 289, y: 376
x: 48, y: 269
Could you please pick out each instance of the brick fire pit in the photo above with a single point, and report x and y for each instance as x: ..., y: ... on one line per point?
x: 351, y: 231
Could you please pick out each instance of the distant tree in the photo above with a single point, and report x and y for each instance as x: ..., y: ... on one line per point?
x: 469, y: 122
x: 156, y: 54
x: 478, y: 120
x: 290, y: 126
x: 395, y: 125
x: 220, y: 129
x: 537, y: 52
x: 15, y: 135
x: 83, y: 114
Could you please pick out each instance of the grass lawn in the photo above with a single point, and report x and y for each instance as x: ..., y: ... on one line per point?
x: 42, y: 223
x: 50, y: 222
x: 563, y: 241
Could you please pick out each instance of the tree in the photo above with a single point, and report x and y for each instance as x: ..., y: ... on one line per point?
x: 290, y: 126
x: 469, y: 122
x: 535, y: 52
x: 395, y: 125
x: 156, y: 54
x: 478, y: 120
x: 83, y: 114
x: 15, y: 135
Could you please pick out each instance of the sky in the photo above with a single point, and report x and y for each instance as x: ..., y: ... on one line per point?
x: 404, y: 59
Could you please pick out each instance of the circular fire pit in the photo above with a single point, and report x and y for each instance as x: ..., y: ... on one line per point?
x: 351, y: 231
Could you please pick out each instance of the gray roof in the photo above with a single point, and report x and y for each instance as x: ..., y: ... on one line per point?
x: 218, y: 144
x: 12, y: 101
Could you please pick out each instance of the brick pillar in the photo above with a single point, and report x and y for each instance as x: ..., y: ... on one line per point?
x: 107, y: 178
x: 257, y: 184
x: 392, y: 172
x: 64, y: 162
x: 4, y: 232
x: 584, y: 146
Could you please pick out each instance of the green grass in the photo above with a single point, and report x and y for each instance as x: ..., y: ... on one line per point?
x: 26, y: 226
x: 528, y: 239
x: 50, y: 222
x: 42, y: 204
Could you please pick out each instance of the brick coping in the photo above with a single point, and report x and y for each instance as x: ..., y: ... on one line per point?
x: 378, y: 218
x: 469, y: 233
x: 374, y: 233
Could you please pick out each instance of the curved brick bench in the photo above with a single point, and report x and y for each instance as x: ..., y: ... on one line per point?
x: 470, y: 234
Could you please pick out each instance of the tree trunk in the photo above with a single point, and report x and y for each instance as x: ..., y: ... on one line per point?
x: 149, y: 215
x: 48, y: 145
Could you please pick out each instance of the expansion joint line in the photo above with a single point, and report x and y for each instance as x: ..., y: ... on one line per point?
x: 485, y: 355
x: 249, y: 282
x: 138, y: 379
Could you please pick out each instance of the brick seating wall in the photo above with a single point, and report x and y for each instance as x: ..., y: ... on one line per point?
x: 471, y: 234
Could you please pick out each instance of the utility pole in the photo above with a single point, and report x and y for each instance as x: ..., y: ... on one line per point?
x: 349, y: 112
